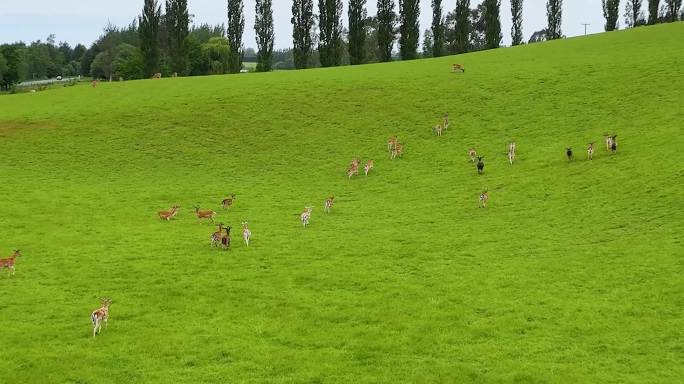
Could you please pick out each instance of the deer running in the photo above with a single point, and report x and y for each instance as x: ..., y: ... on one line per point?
x: 391, y: 143
x: 445, y: 121
x: 484, y: 196
x: 9, y: 262
x: 613, y: 143
x: 511, y: 152
x: 305, y: 216
x: 353, y: 170
x: 397, y: 151
x: 168, y: 215
x: 99, y: 315
x: 457, y: 67
x: 246, y: 233
x: 329, y: 203
x: 368, y: 167
x: 590, y: 151
x: 480, y: 164
x: 568, y: 153
x: 207, y: 214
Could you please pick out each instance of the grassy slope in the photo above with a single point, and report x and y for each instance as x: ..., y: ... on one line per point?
x: 573, y: 273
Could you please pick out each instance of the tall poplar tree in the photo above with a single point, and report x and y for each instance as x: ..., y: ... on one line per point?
x: 653, y: 9
x: 178, y: 24
x: 330, y: 27
x: 409, y: 11
x: 236, y: 26
x: 148, y: 29
x: 611, y: 9
x: 386, y: 23
x: 263, y: 27
x: 302, y: 24
x: 492, y: 23
x: 554, y: 16
x: 462, y: 27
x: 357, y: 31
x: 438, y: 29
x: 516, y: 15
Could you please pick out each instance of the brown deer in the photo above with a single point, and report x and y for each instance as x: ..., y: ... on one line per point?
x: 368, y: 167
x: 438, y: 129
x: 329, y: 203
x: 391, y: 143
x: 457, y: 67
x: 305, y: 216
x: 398, y: 150
x: 207, y: 214
x: 157, y: 76
x: 9, y: 262
x: 590, y: 151
x: 228, y: 201
x: 216, y: 236
x: 353, y: 170
x: 484, y: 197
x: 445, y: 121
x: 170, y: 214
x: 99, y: 315
x: 473, y: 154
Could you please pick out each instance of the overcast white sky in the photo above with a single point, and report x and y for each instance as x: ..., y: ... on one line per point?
x: 81, y: 21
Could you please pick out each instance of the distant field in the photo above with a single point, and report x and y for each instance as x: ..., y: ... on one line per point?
x: 572, y: 274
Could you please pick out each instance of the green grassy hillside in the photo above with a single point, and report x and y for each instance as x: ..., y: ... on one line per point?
x: 573, y: 272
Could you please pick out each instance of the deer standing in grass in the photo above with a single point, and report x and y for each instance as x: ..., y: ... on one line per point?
x: 170, y: 214
x: 398, y: 150
x: 246, y: 233
x: 353, y: 170
x: 391, y: 143
x: 511, y: 152
x: 445, y: 121
x: 590, y: 151
x: 99, y: 315
x: 207, y: 214
x: 608, y: 140
x: 228, y: 201
x: 484, y: 197
x: 329, y: 203
x: 438, y: 129
x: 305, y: 216
x: 216, y: 236
x: 480, y: 164
x: 457, y: 67
x: 473, y: 154
x: 225, y: 240
x: 613, y: 143
x: 368, y: 167
x: 9, y: 262
x: 568, y: 153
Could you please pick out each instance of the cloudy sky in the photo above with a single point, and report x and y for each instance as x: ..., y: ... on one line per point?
x: 81, y: 21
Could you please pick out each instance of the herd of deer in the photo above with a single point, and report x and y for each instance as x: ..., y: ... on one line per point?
x: 609, y: 140
x: 217, y: 238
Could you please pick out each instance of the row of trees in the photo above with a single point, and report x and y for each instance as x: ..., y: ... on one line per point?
x: 667, y: 11
x: 165, y: 42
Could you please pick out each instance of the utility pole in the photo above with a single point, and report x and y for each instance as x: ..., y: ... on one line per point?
x: 585, y: 28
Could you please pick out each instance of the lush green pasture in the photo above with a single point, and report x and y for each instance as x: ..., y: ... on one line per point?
x: 572, y: 274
